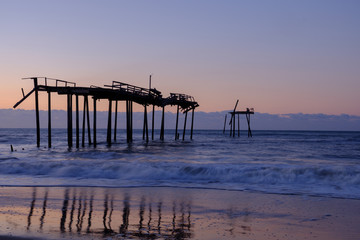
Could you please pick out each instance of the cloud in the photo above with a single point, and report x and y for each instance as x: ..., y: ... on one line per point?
x: 10, y: 118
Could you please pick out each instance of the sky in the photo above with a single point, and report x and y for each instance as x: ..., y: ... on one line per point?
x: 278, y: 56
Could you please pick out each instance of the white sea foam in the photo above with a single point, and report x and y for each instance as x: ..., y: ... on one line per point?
x: 290, y: 163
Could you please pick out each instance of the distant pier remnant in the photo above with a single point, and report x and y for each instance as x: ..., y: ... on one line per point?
x: 115, y: 92
x: 232, y: 122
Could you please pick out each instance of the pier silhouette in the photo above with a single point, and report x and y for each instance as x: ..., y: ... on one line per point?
x: 117, y: 91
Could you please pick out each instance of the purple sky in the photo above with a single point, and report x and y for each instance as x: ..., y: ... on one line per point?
x: 276, y: 56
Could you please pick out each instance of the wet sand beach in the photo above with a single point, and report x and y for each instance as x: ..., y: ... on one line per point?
x: 172, y: 213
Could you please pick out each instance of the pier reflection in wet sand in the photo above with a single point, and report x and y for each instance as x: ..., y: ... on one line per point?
x: 101, y: 212
x: 166, y: 213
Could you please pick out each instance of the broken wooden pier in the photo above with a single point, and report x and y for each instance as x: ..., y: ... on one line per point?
x: 232, y: 122
x: 117, y: 91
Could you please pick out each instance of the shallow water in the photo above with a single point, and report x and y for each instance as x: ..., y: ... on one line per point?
x: 285, y: 162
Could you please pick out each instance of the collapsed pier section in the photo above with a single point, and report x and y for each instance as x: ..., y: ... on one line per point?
x: 117, y: 91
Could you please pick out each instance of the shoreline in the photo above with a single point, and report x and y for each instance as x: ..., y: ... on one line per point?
x: 171, y: 213
x: 312, y: 195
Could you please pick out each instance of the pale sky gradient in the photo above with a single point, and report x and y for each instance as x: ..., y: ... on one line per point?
x: 276, y: 56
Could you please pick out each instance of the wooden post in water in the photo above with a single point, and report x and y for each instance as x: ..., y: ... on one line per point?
x: 115, y: 124
x: 248, y: 121
x: 94, y: 127
x: 129, y: 116
x: 162, y: 130
x: 192, y: 123
x: 233, y: 120
x: 224, y: 123
x: 83, y: 125
x: 230, y: 123
x: 131, y: 121
x: 77, y: 120
x: 49, y: 119
x: 37, y: 112
x: 127, y: 121
x: 238, y: 125
x: 234, y: 124
x: 152, y: 123
x: 144, y: 122
x: 86, y: 111
x: 69, y: 120
x: 183, y: 138
x: 177, y: 120
x: 146, y: 130
x: 108, y: 137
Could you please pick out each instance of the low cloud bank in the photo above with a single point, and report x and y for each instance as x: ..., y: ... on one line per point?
x: 10, y: 118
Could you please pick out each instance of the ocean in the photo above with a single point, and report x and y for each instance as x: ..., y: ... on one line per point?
x: 281, y: 162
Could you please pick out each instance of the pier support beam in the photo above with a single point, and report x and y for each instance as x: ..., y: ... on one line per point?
x: 77, y: 121
x: 152, y: 123
x: 177, y: 121
x: 129, y: 116
x: 115, y: 123
x: 162, y: 130
x: 108, y: 138
x: 248, y: 121
x: 37, y: 112
x: 224, y: 123
x: 238, y: 125
x: 192, y: 123
x: 183, y: 138
x: 231, y: 125
x: 86, y: 114
x: 69, y: 120
x: 94, y: 127
x: 49, y: 119
x: 234, y: 125
x: 131, y: 121
x: 83, y: 125
x: 145, y: 126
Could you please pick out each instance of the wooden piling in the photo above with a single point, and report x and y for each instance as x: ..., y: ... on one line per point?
x: 115, y: 124
x: 231, y: 125
x: 248, y: 121
x: 238, y: 125
x: 144, y: 122
x: 177, y: 120
x: 145, y: 127
x: 83, y: 124
x: 88, y: 120
x: 37, y: 112
x: 94, y: 127
x: 127, y: 121
x: 183, y: 138
x: 192, y: 123
x: 224, y: 123
x: 69, y: 120
x: 131, y: 121
x: 49, y: 119
x: 152, y: 123
x: 77, y: 121
x: 108, y: 138
x: 129, y: 116
x: 234, y: 125
x: 162, y: 130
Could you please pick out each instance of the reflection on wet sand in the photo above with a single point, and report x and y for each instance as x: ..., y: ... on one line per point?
x: 135, y: 219
x: 170, y: 213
